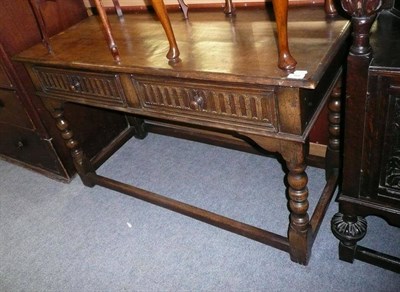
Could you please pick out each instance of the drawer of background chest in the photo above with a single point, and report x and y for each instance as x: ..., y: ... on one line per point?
x: 208, y: 103
x: 82, y: 86
x: 26, y: 146
x: 12, y: 111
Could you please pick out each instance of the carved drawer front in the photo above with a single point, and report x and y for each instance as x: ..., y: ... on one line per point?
x: 82, y: 86
x: 12, y: 111
x: 255, y: 107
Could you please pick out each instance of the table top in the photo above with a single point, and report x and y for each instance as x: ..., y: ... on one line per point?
x: 213, y: 47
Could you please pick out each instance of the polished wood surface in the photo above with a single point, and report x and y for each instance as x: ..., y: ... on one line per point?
x: 226, y: 88
x: 212, y: 47
x: 285, y: 59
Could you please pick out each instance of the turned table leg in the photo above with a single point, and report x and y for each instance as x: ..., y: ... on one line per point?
x: 299, y: 234
x: 82, y: 164
x: 300, y: 237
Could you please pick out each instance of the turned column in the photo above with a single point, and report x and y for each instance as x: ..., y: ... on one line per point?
x: 334, y: 118
x: 82, y: 164
x: 299, y: 233
x: 349, y: 229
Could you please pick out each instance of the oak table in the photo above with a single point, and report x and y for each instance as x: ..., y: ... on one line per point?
x: 226, y: 88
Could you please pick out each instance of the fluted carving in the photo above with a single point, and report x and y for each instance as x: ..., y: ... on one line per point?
x: 252, y: 106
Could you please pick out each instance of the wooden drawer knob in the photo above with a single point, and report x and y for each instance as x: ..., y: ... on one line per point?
x: 20, y: 145
x: 75, y: 86
x: 197, y: 102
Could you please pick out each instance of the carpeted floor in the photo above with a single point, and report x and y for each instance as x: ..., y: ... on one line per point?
x: 68, y: 237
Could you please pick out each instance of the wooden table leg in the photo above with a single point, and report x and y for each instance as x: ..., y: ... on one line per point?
x: 300, y: 231
x: 285, y: 59
x: 300, y: 235
x: 161, y: 11
x: 82, y: 165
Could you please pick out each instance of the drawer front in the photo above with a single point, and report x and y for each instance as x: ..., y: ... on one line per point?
x: 245, y: 106
x: 12, y: 111
x: 82, y: 86
x: 5, y: 82
x: 27, y: 147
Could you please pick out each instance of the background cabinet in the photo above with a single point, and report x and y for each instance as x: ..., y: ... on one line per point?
x: 28, y: 135
x: 371, y: 166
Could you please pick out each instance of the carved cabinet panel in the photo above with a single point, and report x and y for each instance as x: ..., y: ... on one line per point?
x: 381, y: 168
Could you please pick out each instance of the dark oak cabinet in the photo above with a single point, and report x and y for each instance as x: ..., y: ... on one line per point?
x: 371, y: 166
x: 28, y: 135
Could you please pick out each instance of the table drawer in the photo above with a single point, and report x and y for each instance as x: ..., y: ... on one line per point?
x: 12, y: 111
x: 248, y: 106
x: 82, y: 86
